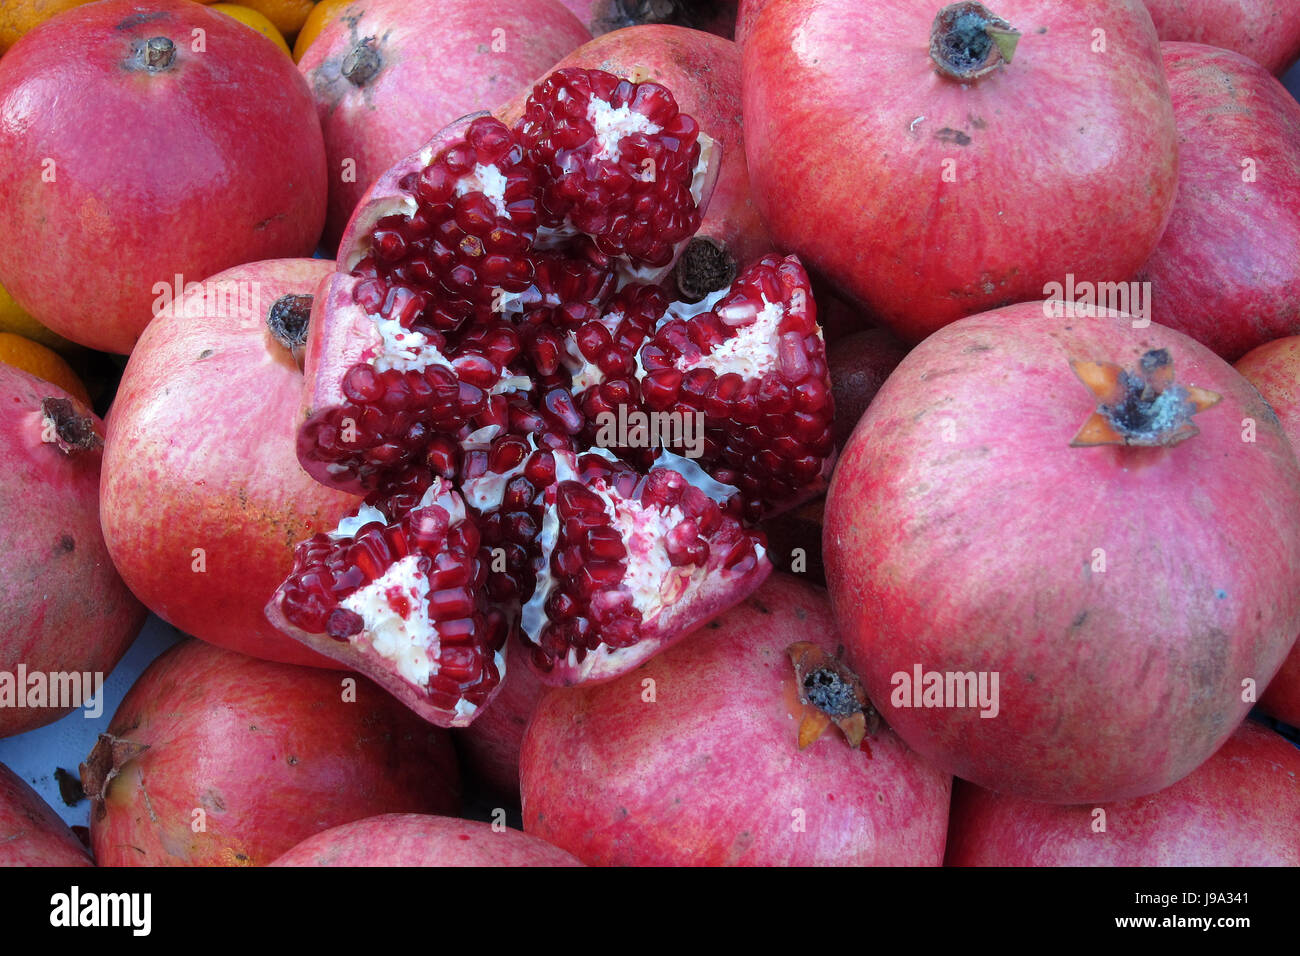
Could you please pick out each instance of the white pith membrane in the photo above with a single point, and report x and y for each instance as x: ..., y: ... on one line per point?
x: 410, y: 644
x: 488, y: 180
x: 611, y: 124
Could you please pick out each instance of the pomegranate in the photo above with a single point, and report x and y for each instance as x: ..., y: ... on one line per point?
x: 1227, y: 270
x: 217, y: 759
x: 221, y: 161
x: 493, y: 327
x: 490, y: 745
x: 66, y: 612
x: 974, y: 171
x: 696, y: 757
x: 385, y: 73
x: 1265, y: 30
x: 1274, y: 369
x: 859, y: 365
x: 703, y: 71
x: 1109, y: 586
x: 603, y: 16
x: 746, y: 16
x: 1239, y: 808
x: 203, y: 529
x: 31, y: 834
x: 414, y: 839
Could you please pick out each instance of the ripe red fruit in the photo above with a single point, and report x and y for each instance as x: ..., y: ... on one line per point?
x: 717, y: 17
x: 1121, y: 593
x: 385, y: 73
x: 694, y: 759
x: 202, y: 498
x: 860, y: 364
x: 218, y: 160
x: 65, y: 608
x: 929, y: 188
x: 1274, y: 369
x: 1264, y: 30
x: 31, y: 834
x: 412, y: 839
x: 1239, y: 808
x: 263, y: 755
x: 1227, y: 270
x: 490, y: 745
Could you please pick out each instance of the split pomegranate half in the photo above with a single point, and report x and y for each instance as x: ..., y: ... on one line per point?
x: 546, y: 443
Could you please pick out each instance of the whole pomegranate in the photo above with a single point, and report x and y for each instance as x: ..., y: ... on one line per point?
x: 934, y: 160
x: 547, y: 445
x: 1267, y: 31
x: 414, y: 839
x: 602, y: 16
x: 1274, y: 369
x: 490, y: 745
x: 219, y: 160
x: 217, y: 759
x: 1239, y: 808
x: 202, y: 498
x: 1227, y: 270
x: 696, y: 758
x: 387, y: 73
x: 31, y: 834
x: 1048, y: 512
x: 65, y: 609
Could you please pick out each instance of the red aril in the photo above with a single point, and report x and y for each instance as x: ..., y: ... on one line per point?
x: 1089, y: 546
x: 31, y: 834
x: 932, y: 185
x: 218, y: 160
x: 202, y: 527
x: 1266, y: 31
x: 695, y: 758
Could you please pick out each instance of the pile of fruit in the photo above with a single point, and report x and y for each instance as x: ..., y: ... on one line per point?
x: 621, y: 432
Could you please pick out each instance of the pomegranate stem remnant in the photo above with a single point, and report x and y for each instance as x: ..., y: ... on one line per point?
x: 968, y: 41
x: 1144, y: 407
x: 830, y: 693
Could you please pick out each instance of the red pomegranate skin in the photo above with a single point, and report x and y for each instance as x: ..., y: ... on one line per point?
x: 1267, y: 31
x: 927, y: 199
x: 490, y: 745
x: 1274, y: 369
x: 1122, y: 594
x: 415, y: 839
x: 217, y: 160
x: 270, y: 753
x: 746, y: 16
x: 717, y: 17
x: 1227, y: 270
x: 435, y: 62
x: 859, y: 366
x: 709, y: 773
x: 31, y: 833
x: 65, y: 608
x: 201, y: 454
x: 1239, y: 808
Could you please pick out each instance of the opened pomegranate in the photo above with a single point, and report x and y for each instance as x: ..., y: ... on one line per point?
x: 217, y: 159
x: 1227, y: 270
x: 386, y: 73
x: 934, y: 160
x: 217, y: 759
x: 31, y: 834
x: 710, y: 755
x: 1053, y: 508
x: 1239, y: 808
x: 413, y: 839
x: 490, y: 367
x: 1274, y: 369
x: 603, y: 16
x: 202, y: 498
x: 66, y: 612
x: 1265, y: 30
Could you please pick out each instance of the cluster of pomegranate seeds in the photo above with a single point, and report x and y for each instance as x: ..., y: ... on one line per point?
x: 487, y: 327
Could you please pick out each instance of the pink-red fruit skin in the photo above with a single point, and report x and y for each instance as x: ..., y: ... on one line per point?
x: 64, y: 607
x: 413, y: 839
x: 267, y: 753
x: 31, y: 834
x: 1267, y: 31
x: 1124, y: 596
x: 414, y: 68
x: 200, y: 454
x: 1239, y: 808
x: 1227, y: 270
x: 116, y: 176
x: 693, y: 759
x: 927, y: 198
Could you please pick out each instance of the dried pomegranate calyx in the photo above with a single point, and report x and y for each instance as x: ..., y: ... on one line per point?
x: 1144, y: 406
x: 830, y: 693
x: 968, y: 41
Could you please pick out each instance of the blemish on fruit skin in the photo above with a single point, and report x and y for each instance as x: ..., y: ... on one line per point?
x: 950, y: 135
x: 139, y: 18
x: 1220, y: 594
x: 1079, y: 619
x: 206, y: 353
x: 66, y: 544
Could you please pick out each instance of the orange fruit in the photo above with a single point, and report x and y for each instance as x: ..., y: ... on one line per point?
x: 287, y: 15
x: 251, y: 18
x: 14, y: 319
x: 320, y: 15
x: 19, y: 16
x: 36, y: 359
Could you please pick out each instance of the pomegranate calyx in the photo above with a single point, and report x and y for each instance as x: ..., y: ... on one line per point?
x: 105, y: 761
x: 968, y: 41
x: 156, y: 54
x: 830, y: 694
x: 362, y: 63
x: 65, y: 425
x: 705, y: 266
x: 1144, y: 407
x: 288, y: 320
